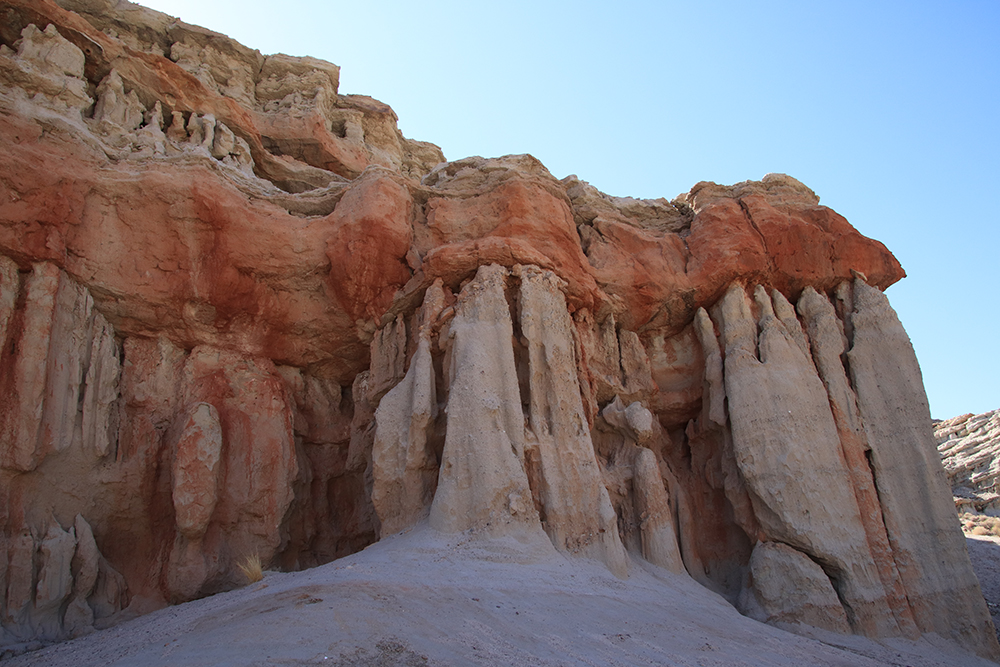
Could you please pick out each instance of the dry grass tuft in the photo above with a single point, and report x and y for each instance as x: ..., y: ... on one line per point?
x: 251, y: 568
x: 980, y: 524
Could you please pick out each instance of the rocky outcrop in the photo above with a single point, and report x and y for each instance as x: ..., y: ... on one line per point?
x: 970, y: 450
x: 483, y: 484
x: 242, y: 315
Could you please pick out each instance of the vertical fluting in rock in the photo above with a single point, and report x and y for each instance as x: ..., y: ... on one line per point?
x: 482, y: 484
x: 27, y: 376
x: 212, y: 346
x: 659, y: 534
x: 828, y: 342
x: 578, y: 515
x: 404, y: 464
x: 912, y: 489
x: 62, y: 371
x: 836, y: 467
x: 802, y: 495
x: 717, y: 523
x: 196, y: 470
x: 258, y: 463
x: 195, y: 493
x: 714, y: 380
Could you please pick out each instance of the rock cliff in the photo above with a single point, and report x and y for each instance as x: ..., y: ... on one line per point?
x: 241, y: 314
x: 970, y: 450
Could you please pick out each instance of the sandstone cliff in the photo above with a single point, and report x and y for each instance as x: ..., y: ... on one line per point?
x: 241, y: 314
x: 970, y: 450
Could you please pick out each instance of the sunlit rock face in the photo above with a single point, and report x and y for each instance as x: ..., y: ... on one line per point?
x: 241, y: 314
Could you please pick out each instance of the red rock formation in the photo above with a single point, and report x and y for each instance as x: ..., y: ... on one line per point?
x: 241, y: 314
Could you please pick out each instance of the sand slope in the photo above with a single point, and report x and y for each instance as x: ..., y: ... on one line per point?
x: 424, y: 598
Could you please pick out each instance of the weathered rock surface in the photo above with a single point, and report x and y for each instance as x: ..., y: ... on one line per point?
x: 483, y: 484
x: 241, y: 314
x: 790, y: 588
x: 970, y: 451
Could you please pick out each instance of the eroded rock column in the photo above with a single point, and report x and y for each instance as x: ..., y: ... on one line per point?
x: 482, y: 484
x: 404, y: 467
x: 788, y: 451
x: 828, y: 342
x: 578, y: 512
x: 928, y: 548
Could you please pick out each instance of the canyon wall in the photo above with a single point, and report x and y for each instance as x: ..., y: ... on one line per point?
x: 241, y: 314
x: 970, y: 451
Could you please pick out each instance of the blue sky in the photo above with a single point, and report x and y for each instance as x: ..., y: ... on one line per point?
x: 890, y: 111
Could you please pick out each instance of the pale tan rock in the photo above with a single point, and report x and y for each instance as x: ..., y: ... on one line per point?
x: 828, y: 346
x: 404, y: 465
x: 388, y: 359
x: 659, y: 536
x: 49, y: 64
x: 232, y: 261
x: 714, y: 383
x: 970, y: 452
x: 115, y: 109
x: 785, y: 312
x: 189, y: 570
x: 55, y: 580
x: 64, y: 379
x: 207, y: 132
x: 150, y: 139
x: 48, y: 47
x: 919, y: 514
x: 23, y: 416
x: 221, y: 65
x: 789, y: 589
x: 482, y: 485
x: 196, y: 470
x: 177, y: 131
x: 676, y: 367
x: 362, y: 425
x: 320, y: 407
x: 601, y: 355
x: 79, y: 617
x: 10, y: 287
x: 110, y: 594
x: 801, y: 496
x: 196, y: 131
x: 636, y: 369
x: 20, y: 577
x: 615, y: 363
x: 634, y: 420
x: 66, y: 364
x: 99, y: 417
x: 223, y: 141
x: 578, y: 514
x: 281, y: 76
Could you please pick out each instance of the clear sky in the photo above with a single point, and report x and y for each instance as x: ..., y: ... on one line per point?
x: 890, y: 111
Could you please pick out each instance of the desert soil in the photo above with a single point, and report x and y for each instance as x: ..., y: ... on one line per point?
x: 424, y: 598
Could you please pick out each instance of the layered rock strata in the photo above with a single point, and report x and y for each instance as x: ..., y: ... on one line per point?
x: 970, y: 450
x: 241, y: 314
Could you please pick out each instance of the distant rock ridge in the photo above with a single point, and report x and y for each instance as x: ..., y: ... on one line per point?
x: 241, y: 314
x: 970, y: 449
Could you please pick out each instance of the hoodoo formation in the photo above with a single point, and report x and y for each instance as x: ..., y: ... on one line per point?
x: 242, y: 314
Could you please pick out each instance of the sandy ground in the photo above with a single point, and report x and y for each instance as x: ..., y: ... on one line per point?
x: 423, y: 598
x: 984, y: 551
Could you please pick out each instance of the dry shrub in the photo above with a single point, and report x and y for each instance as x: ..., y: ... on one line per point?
x: 251, y: 568
x: 980, y: 524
